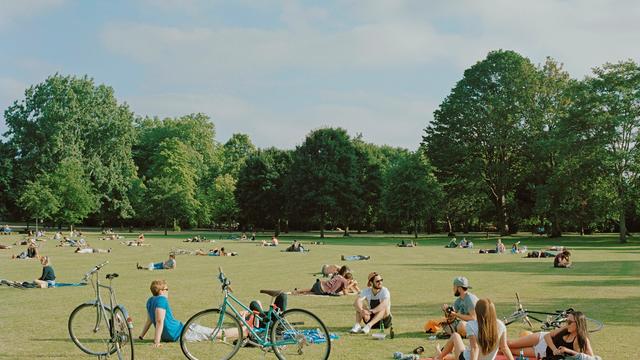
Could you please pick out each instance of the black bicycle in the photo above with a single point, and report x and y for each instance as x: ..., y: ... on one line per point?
x: 552, y: 320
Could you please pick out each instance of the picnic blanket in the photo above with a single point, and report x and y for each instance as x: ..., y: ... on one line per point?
x: 314, y: 336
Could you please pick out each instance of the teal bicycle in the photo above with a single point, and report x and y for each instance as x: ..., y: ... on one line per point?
x: 220, y: 332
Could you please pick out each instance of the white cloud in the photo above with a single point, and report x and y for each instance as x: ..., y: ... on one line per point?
x: 12, y: 12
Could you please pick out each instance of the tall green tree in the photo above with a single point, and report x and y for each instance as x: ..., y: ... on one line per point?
x: 370, y: 184
x: 411, y: 192
x: 235, y: 152
x: 260, y: 191
x: 609, y: 116
x: 477, y: 135
x: 38, y: 200
x: 68, y: 116
x: 323, y: 181
x: 74, y: 191
x: 224, y: 209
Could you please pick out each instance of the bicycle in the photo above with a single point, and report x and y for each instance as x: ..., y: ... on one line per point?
x: 554, y: 320
x: 218, y: 333
x: 100, y: 329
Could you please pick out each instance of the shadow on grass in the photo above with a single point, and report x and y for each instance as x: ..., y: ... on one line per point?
x: 610, y: 268
x: 606, y: 283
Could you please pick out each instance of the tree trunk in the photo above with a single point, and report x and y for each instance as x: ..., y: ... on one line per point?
x: 165, y: 225
x: 346, y: 231
x: 623, y: 224
x: 415, y: 229
x: 449, y: 224
x: 277, y: 232
x: 503, y: 225
x: 322, y: 226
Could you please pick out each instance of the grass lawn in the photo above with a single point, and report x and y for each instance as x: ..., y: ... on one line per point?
x: 604, y: 283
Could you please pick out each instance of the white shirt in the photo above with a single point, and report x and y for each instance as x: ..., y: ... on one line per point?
x: 383, y: 294
x: 472, y: 330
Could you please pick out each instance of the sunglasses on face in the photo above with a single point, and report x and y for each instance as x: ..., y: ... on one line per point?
x: 378, y: 281
x: 569, y: 322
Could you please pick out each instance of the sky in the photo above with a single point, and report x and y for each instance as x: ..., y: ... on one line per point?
x: 278, y: 69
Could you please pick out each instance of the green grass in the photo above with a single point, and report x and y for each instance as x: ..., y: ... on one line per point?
x: 604, y: 283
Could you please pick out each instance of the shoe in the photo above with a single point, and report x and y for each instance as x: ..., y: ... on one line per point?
x: 355, y: 329
x: 367, y: 257
x: 138, y: 266
x: 342, y: 258
x: 392, y: 333
x: 365, y: 330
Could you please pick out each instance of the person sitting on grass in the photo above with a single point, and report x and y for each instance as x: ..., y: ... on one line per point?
x: 352, y: 286
x: 500, y: 248
x: 354, y: 257
x: 452, y: 244
x: 463, y: 308
x: 328, y: 270
x: 295, y: 247
x: 334, y: 286
x: 167, y: 265
x: 372, y: 305
x: 486, y: 335
x: 562, y: 260
x: 48, y: 277
x: 31, y: 252
x: 159, y: 314
x: 570, y: 340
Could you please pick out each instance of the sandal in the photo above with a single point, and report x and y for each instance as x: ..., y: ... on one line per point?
x: 419, y: 350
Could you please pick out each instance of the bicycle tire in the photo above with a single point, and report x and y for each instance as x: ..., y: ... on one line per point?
x: 204, y: 335
x: 122, y: 335
x: 303, y: 329
x: 89, y: 329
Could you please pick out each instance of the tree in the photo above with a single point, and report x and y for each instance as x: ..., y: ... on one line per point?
x: 67, y: 116
x: 370, y: 184
x: 608, y: 115
x: 224, y: 209
x: 38, y: 200
x: 477, y: 135
x: 173, y: 182
x: 235, y: 152
x: 323, y: 182
x: 260, y: 192
x: 72, y: 187
x: 411, y: 192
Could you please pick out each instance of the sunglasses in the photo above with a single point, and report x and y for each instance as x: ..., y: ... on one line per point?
x: 378, y: 281
x: 569, y: 322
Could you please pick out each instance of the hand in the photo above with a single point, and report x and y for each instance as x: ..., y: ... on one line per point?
x: 157, y: 345
x: 562, y: 349
x: 444, y: 307
x: 557, y: 352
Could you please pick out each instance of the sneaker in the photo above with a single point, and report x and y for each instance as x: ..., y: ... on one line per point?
x: 355, y: 329
x: 342, y: 258
x: 138, y: 266
x: 365, y: 330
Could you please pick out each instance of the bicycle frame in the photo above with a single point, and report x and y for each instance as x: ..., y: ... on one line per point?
x: 101, y: 311
x: 226, y: 303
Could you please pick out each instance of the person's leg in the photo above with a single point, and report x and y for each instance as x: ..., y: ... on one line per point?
x: 458, y: 345
x: 41, y: 284
x: 373, y: 322
x: 461, y: 328
x: 446, y: 351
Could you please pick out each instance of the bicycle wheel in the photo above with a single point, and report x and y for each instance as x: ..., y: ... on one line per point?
x: 122, y: 335
x: 211, y: 334
x: 89, y: 329
x: 299, y: 334
x: 517, y: 316
x: 594, y: 325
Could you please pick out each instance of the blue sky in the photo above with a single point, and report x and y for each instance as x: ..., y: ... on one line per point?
x: 279, y: 69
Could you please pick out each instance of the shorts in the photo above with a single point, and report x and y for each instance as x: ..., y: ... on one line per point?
x: 317, y: 288
x: 541, y: 347
x: 51, y: 283
x: 461, y: 357
x: 385, y: 321
x: 156, y: 266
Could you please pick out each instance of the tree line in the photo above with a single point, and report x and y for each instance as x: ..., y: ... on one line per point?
x: 514, y: 146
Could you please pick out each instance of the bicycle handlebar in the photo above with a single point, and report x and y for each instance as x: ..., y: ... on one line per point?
x: 226, y: 283
x: 94, y: 270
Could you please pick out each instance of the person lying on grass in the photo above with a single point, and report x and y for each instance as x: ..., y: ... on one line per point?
x: 410, y: 243
x: 295, y: 247
x: 215, y: 252
x: 335, y: 286
x: 354, y: 257
x: 486, y: 335
x: 372, y: 305
x: 167, y: 265
x: 562, y: 260
x: 89, y: 250
x: 31, y: 252
x: 570, y: 340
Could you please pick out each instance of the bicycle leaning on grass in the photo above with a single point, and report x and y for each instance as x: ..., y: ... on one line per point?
x: 220, y: 332
x: 98, y: 328
x: 553, y: 320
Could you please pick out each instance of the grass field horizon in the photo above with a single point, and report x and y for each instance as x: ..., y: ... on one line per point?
x: 604, y: 283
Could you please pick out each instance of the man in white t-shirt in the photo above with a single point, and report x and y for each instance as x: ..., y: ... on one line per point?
x: 376, y: 308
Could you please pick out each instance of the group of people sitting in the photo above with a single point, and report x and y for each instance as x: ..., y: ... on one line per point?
x: 295, y: 246
x: 410, y: 243
x: 464, y: 244
x: 476, y: 319
x: 274, y: 242
x: 341, y: 282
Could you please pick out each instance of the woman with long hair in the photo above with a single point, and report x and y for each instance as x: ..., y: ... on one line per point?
x: 486, y: 335
x: 571, y: 339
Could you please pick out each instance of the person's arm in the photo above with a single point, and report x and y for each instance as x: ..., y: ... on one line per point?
x: 473, y: 346
x: 504, y: 347
x: 381, y: 307
x: 359, y: 305
x: 471, y: 316
x: 145, y: 328
x: 160, y: 314
x: 548, y: 338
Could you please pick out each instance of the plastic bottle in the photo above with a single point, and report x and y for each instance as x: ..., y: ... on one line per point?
x: 521, y: 356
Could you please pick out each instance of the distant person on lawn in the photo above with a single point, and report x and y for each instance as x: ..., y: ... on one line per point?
x: 562, y: 260
x: 167, y: 265
x: 372, y: 305
x: 48, y: 277
x: 463, y: 307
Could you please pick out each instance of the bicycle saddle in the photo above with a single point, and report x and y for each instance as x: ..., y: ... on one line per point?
x: 272, y: 293
x: 112, y: 276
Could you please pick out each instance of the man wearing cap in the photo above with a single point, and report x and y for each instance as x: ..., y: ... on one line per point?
x: 464, y: 306
x: 377, y: 307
